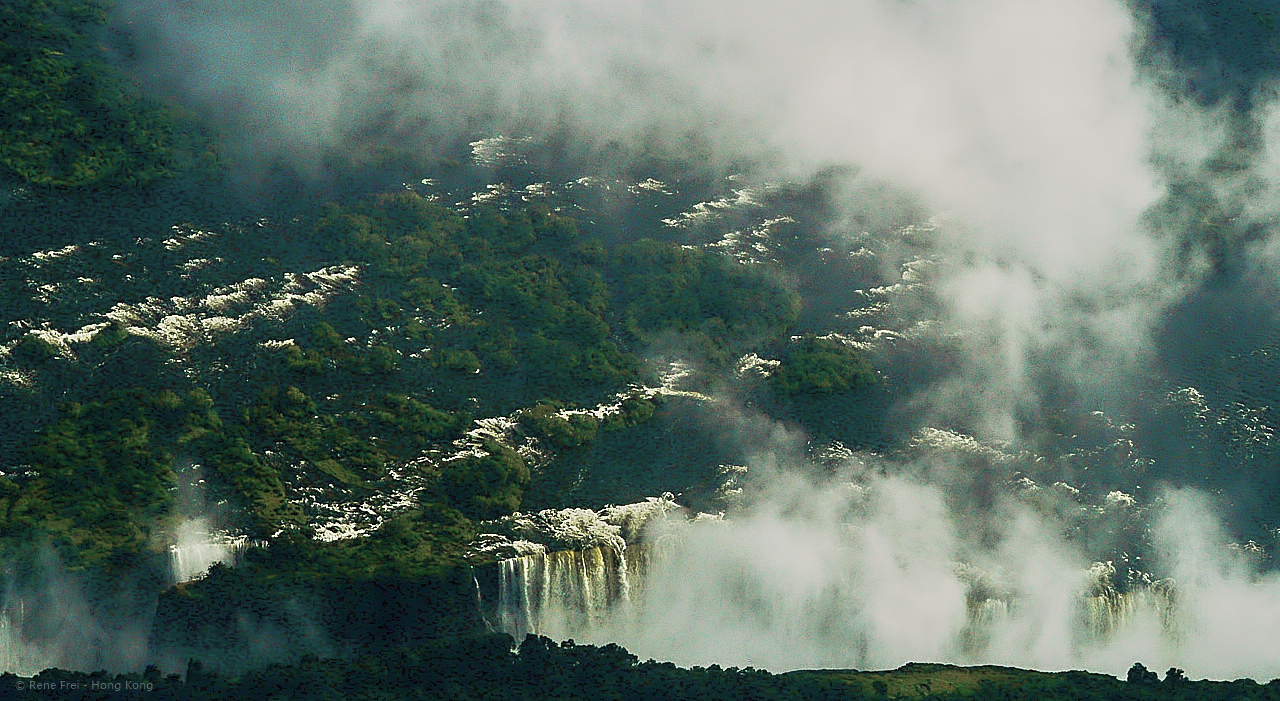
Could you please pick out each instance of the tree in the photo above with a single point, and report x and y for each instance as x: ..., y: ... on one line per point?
x: 31, y: 350
x: 70, y: 119
x: 1139, y: 675
x: 103, y: 478
x: 823, y: 366
x: 486, y: 486
x: 546, y: 421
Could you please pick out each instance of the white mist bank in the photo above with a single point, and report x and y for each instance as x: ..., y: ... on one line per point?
x: 1029, y: 120
x: 869, y: 578
x: 55, y: 621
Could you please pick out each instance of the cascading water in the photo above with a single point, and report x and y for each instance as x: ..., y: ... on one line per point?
x: 57, y: 621
x: 880, y: 573
x: 562, y: 594
x: 14, y: 653
x: 197, y: 543
x: 598, y: 595
x: 570, y: 572
x: 1110, y: 610
x: 1103, y: 616
x: 196, y: 550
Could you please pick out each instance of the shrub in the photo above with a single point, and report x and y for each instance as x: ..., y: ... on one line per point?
x: 823, y: 366
x: 565, y: 432
x: 486, y: 486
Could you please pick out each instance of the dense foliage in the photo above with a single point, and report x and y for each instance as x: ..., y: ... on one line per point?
x: 488, y: 485
x: 455, y: 312
x: 487, y: 667
x: 69, y: 118
x: 464, y: 311
x: 102, y: 482
x: 717, y: 306
x: 532, y: 309
x: 406, y: 582
x: 823, y: 366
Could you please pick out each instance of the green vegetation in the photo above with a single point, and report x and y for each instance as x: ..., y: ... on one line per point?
x: 249, y: 481
x: 718, y: 306
x: 409, y: 426
x: 101, y: 482
x: 516, y: 306
x: 101, y: 477
x: 69, y: 119
x: 455, y: 314
x: 544, y: 419
x: 487, y: 667
x: 33, y: 351
x: 407, y: 582
x: 502, y: 307
x: 509, y: 296
x: 486, y: 486
x: 822, y: 366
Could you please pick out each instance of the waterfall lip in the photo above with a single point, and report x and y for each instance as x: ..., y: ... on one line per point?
x: 564, y: 593
x: 501, y: 547
x: 552, y: 530
x: 198, y: 549
x: 563, y: 529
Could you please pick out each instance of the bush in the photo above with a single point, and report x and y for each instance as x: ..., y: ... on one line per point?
x: 565, y: 432
x: 463, y: 361
x: 70, y: 119
x: 823, y: 366
x: 413, y: 420
x: 103, y: 479
x: 716, y: 302
x: 33, y: 350
x: 487, y: 486
x: 1139, y: 675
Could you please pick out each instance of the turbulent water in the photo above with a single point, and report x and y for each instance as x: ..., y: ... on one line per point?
x: 893, y: 580
x: 564, y: 594
x: 955, y: 549
x: 197, y: 549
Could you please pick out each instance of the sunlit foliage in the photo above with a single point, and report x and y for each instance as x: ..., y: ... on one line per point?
x: 70, y: 119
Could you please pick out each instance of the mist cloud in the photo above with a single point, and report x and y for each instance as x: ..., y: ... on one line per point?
x: 1024, y: 114
x: 885, y: 571
x: 1028, y: 121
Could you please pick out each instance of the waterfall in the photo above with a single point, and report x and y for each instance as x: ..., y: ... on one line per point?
x: 15, y: 653
x: 1103, y: 614
x: 1108, y: 609
x: 197, y: 549
x: 562, y: 594
x: 1111, y: 611
x: 598, y: 594
x: 570, y: 572
x: 196, y: 544
x: 478, y: 596
x: 55, y: 622
x: 191, y: 561
x: 983, y: 617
